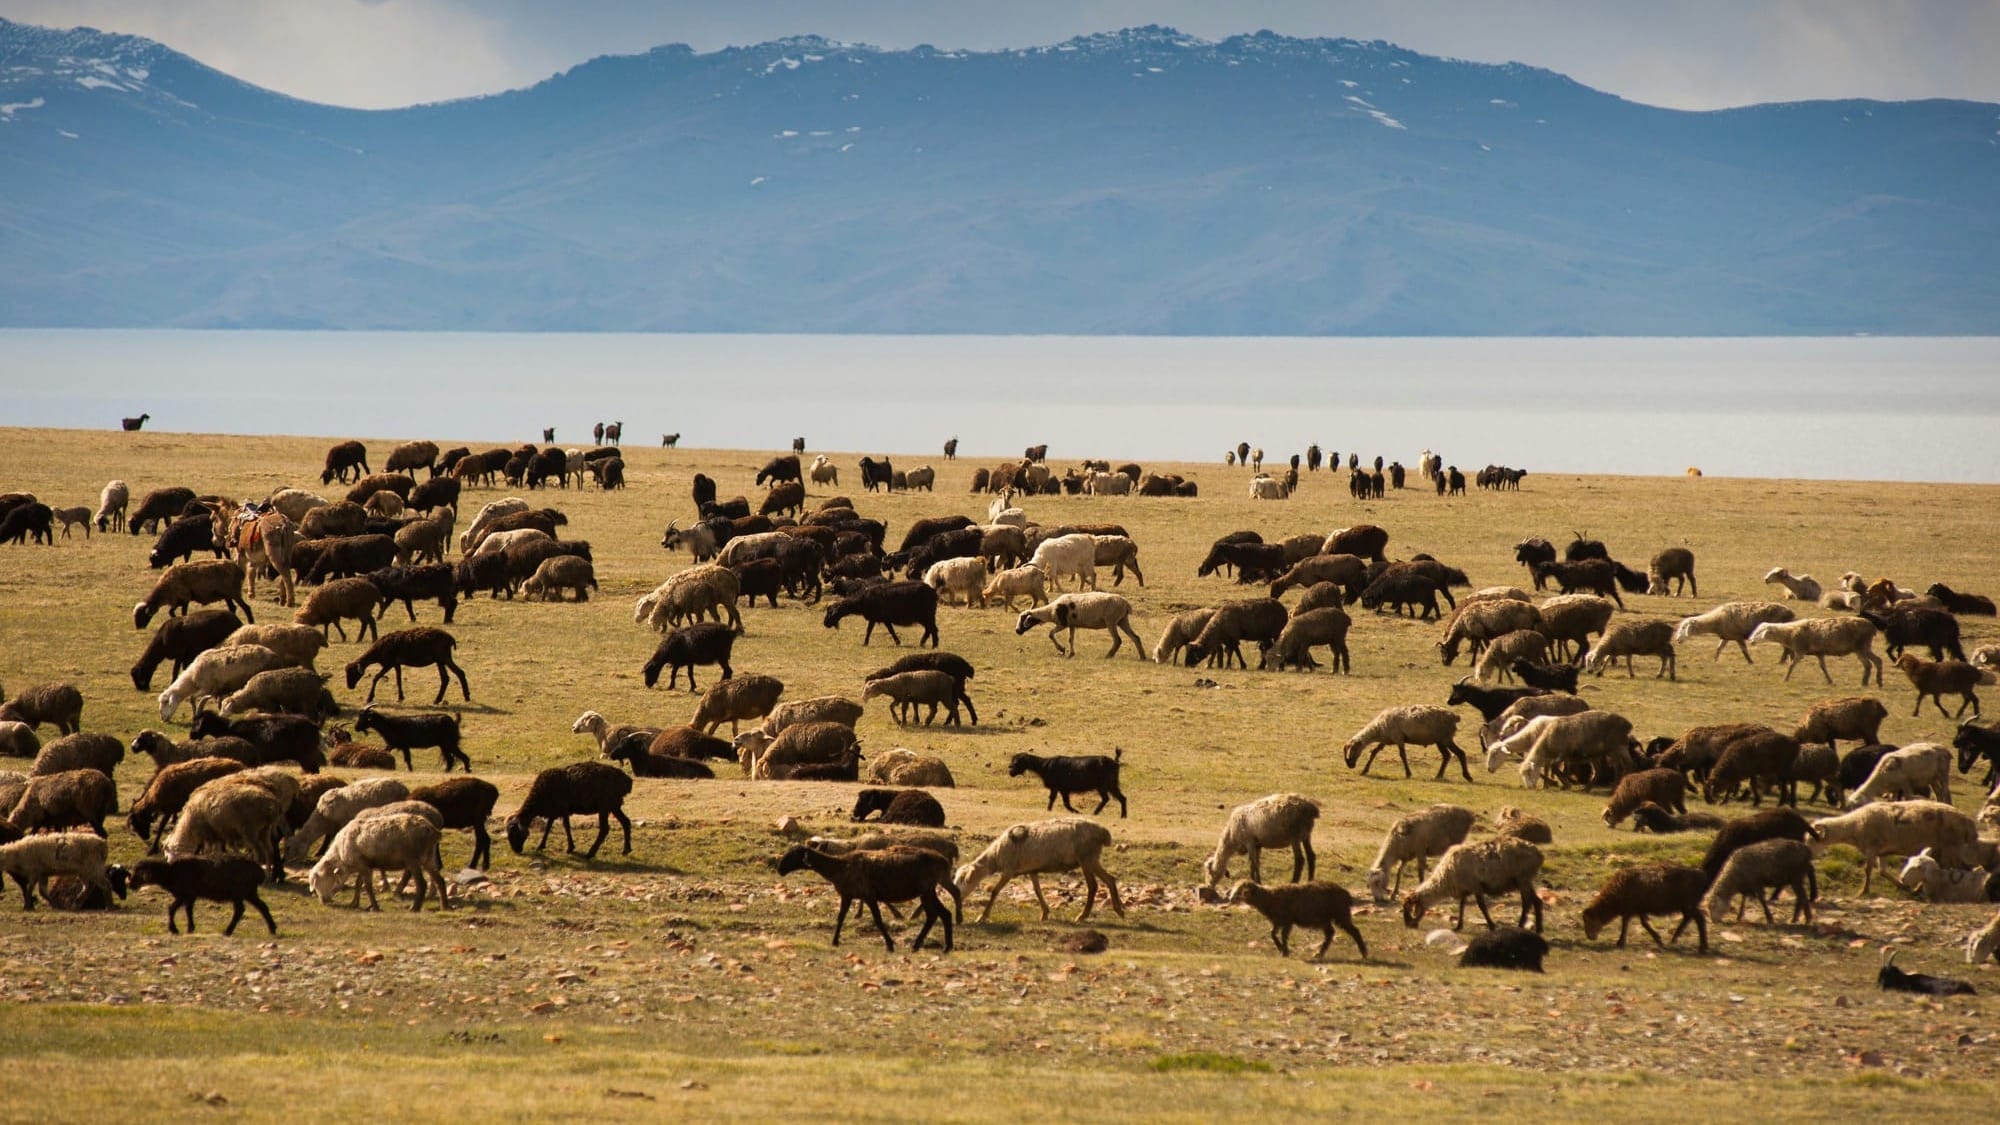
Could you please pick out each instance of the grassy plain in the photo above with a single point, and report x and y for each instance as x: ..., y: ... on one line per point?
x: 689, y: 976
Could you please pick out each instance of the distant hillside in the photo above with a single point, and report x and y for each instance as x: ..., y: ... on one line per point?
x: 1137, y: 182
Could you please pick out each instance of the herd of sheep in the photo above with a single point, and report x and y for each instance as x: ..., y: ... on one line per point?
x: 232, y: 805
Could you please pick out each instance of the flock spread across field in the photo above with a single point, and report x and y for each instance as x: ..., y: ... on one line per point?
x: 243, y: 797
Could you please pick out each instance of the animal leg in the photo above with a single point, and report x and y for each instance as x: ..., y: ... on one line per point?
x: 603, y: 830
x: 1647, y: 925
x: 840, y: 919
x: 875, y: 909
x: 1035, y: 881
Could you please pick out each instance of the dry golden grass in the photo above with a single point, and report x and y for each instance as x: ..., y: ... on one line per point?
x: 690, y: 962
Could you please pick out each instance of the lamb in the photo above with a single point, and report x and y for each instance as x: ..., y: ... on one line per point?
x: 405, y: 842
x: 1400, y: 726
x: 1653, y: 888
x: 70, y: 799
x: 604, y: 731
x: 1800, y: 587
x: 1476, y: 870
x: 34, y: 861
x: 802, y: 751
x: 343, y: 751
x: 889, y: 605
x: 100, y: 752
x: 1921, y: 769
x: 411, y: 732
x: 1422, y: 836
x: 564, y: 791
x: 180, y: 640
x: 1897, y: 828
x: 230, y: 879
x: 201, y: 582
x: 1932, y: 881
x: 336, y: 807
x: 111, y: 506
x: 1628, y: 638
x: 1484, y: 621
x: 1858, y: 717
x: 464, y: 802
x: 892, y: 874
x: 1181, y: 629
x: 1305, y: 631
x: 1508, y: 947
x: 1664, y: 788
x: 1760, y: 757
x: 1317, y: 906
x: 1732, y: 621
x: 905, y: 768
x: 1510, y: 821
x: 1119, y: 553
x: 959, y: 578
x: 1039, y: 848
x: 1569, y: 620
x: 1280, y: 820
x: 416, y: 647
x: 1821, y: 637
x: 1754, y: 869
x: 1892, y: 979
x: 1092, y: 610
x: 1504, y: 651
x: 1065, y: 775
x: 899, y: 806
x: 1027, y: 581
x: 1676, y: 565
x: 1261, y: 620
x: 1935, y: 679
x: 907, y: 690
x: 750, y: 696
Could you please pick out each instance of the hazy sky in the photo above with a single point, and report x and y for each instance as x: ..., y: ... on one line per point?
x: 1693, y: 54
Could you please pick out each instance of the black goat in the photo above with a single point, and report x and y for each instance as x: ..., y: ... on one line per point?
x: 1972, y: 604
x: 705, y: 642
x: 1489, y: 702
x: 182, y: 539
x: 414, y: 732
x: 1580, y: 549
x: 1973, y: 743
x: 230, y: 879
x: 1892, y: 979
x: 1548, y: 677
x: 1074, y: 773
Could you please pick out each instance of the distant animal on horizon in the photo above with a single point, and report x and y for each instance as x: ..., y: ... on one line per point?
x: 798, y: 445
x: 1693, y: 472
x: 614, y: 434
x: 132, y: 424
x: 669, y: 441
x: 548, y: 433
x: 597, y: 433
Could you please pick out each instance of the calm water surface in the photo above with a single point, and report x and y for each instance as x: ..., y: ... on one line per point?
x: 1889, y: 409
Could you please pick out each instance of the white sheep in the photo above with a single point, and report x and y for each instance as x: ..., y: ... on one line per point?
x: 1281, y: 820
x: 397, y: 842
x: 705, y: 588
x: 962, y: 578
x: 1732, y: 621
x: 1921, y: 769
x: 1519, y: 712
x: 111, y: 506
x: 1629, y: 637
x: 1068, y: 556
x: 1025, y: 581
x: 1399, y: 726
x: 907, y: 769
x: 32, y: 862
x: 475, y: 533
x: 1821, y: 637
x: 499, y: 541
x: 298, y: 644
x: 1586, y: 737
x: 1184, y: 627
x: 1107, y: 484
x: 1093, y: 610
x: 823, y: 471
x: 1420, y: 835
x: 1926, y: 878
x: 1496, y: 662
x: 338, y: 806
x: 216, y: 673
x: 1847, y: 600
x: 1266, y: 488
x: 1983, y: 942
x: 1476, y: 870
x: 1799, y: 586
x: 746, y: 547
x: 1898, y: 828
x: 603, y: 730
x: 1043, y: 847
x: 1484, y: 621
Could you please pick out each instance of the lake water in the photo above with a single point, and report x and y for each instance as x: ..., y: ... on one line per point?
x: 1879, y: 409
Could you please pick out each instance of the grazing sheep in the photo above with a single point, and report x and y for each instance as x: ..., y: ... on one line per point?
x: 1421, y: 835
x: 801, y: 747
x: 17, y: 740
x: 750, y: 696
x: 34, y: 861
x: 297, y: 691
x: 907, y: 690
x: 1934, y: 679
x: 277, y: 738
x: 229, y: 815
x: 1595, y: 738
x: 1649, y: 817
x: 1504, y: 651
x: 1305, y: 631
x: 50, y: 802
x: 1653, y: 888
x: 412, y: 732
x: 1405, y: 592
x: 1484, y: 621
x: 1474, y: 871
x: 1932, y: 881
x: 1821, y: 637
x: 1281, y: 820
x: 1510, y: 821
x: 418, y: 647
x: 905, y: 768
x: 1921, y: 769
x: 1181, y: 629
x: 1346, y: 571
x: 464, y: 803
x: 1119, y: 553
x: 1897, y: 828
x: 564, y: 791
x: 1507, y: 947
x: 1818, y: 765
x: 1760, y: 757
x: 889, y: 605
x: 1364, y: 540
x: 181, y: 639
x: 297, y: 645
x: 1754, y: 869
x: 706, y: 589
x: 1568, y: 621
x: 603, y: 730
x: 1065, y: 775
x: 32, y: 521
x: 635, y: 750
x: 875, y: 876
x: 216, y: 673
x: 158, y: 508
x: 1316, y: 906
x: 1676, y: 565
x: 705, y: 642
x: 1662, y: 787
x: 80, y: 751
x: 899, y: 806
x: 963, y: 578
x: 1800, y: 587
x: 1092, y: 610
x: 1039, y: 848
x: 111, y: 506
x: 405, y: 842
x: 1732, y: 621
x: 1597, y: 576
x: 1027, y: 581
x: 1400, y: 726
x: 330, y: 521
x: 1858, y: 717
x: 336, y: 807
x: 1628, y: 638
x: 1974, y: 743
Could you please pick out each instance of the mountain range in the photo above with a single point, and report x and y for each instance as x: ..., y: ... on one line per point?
x: 1137, y: 182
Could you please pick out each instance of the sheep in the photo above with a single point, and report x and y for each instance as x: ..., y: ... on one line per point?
x: 1363, y: 540
x: 1281, y: 820
x: 635, y: 750
x: 603, y: 730
x: 905, y: 768
x: 899, y: 806
x: 17, y: 740
x: 111, y: 506
x: 750, y: 696
x: 1974, y: 743
x: 705, y: 642
x: 1569, y: 620
x: 277, y: 738
x: 216, y: 673
x: 1421, y: 835
x: 1400, y: 726
x: 1933, y: 679
x: 1628, y: 638
x: 1404, y: 591
x: 297, y: 691
x: 889, y: 605
x: 1496, y: 663
x: 33, y: 862
x: 1889, y: 978
x: 1800, y: 587
x: 336, y: 807
x: 1261, y: 620
x: 563, y: 791
x: 230, y: 879
x: 1932, y: 881
x: 100, y: 752
x: 411, y: 584
x: 159, y: 507
x: 1065, y: 775
x: 1489, y: 702
x: 1092, y: 610
x: 156, y: 808
x: 1662, y: 787
x: 1858, y: 717
x: 229, y: 816
x: 475, y: 532
x: 1119, y: 553
x: 416, y: 647
x: 1317, y: 906
x: 345, y: 556
x: 412, y: 732
x: 1820, y: 638
x: 1598, y: 576
x: 329, y: 521
x: 958, y: 578
x: 830, y: 708
x: 906, y: 690
x: 1897, y: 828
x: 1653, y: 888
x: 1933, y: 629
x: 1676, y: 565
x: 1027, y: 581
x: 80, y: 798
x: 165, y: 752
x: 464, y: 802
x: 1510, y: 821
x: 405, y: 842
x: 32, y: 520
x: 1695, y: 752
x: 1484, y: 621
x: 1962, y: 604
x: 333, y: 602
x: 1305, y: 631
x: 1508, y: 947
x: 1921, y: 769
x: 343, y: 751
x: 1649, y: 817
x: 181, y: 639
x: 1068, y: 556
x: 1760, y: 757
x: 1983, y: 943
x: 1346, y: 571
x: 1181, y: 629
x: 1754, y: 869
x: 78, y: 516
x: 891, y: 874
x: 1859, y: 763
x: 1595, y: 737
x: 1818, y: 764
x: 798, y: 747
x: 1732, y: 621
x: 1038, y: 848
x: 1476, y: 870
x: 705, y: 589
x: 200, y: 582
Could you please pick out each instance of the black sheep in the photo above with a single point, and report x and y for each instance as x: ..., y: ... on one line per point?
x: 1507, y: 947
x: 1973, y: 743
x: 1489, y: 702
x: 889, y: 605
x: 415, y: 732
x: 278, y: 738
x: 1074, y: 773
x: 421, y: 647
x: 876, y: 474
x: 411, y: 584
x: 550, y: 462
x: 438, y: 492
x: 350, y: 556
x: 581, y: 788
x: 230, y: 879
x: 705, y: 642
x: 922, y: 530
x: 1769, y: 824
x: 1254, y: 562
x: 1594, y: 576
x: 899, y: 806
x: 961, y: 544
x: 1548, y: 677
x: 634, y: 751
x: 1933, y: 629
x: 1404, y: 591
x: 158, y: 508
x: 34, y: 519
x: 1971, y: 604
x: 759, y: 578
x: 779, y: 469
x: 180, y: 640
x: 486, y: 572
x: 464, y: 802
